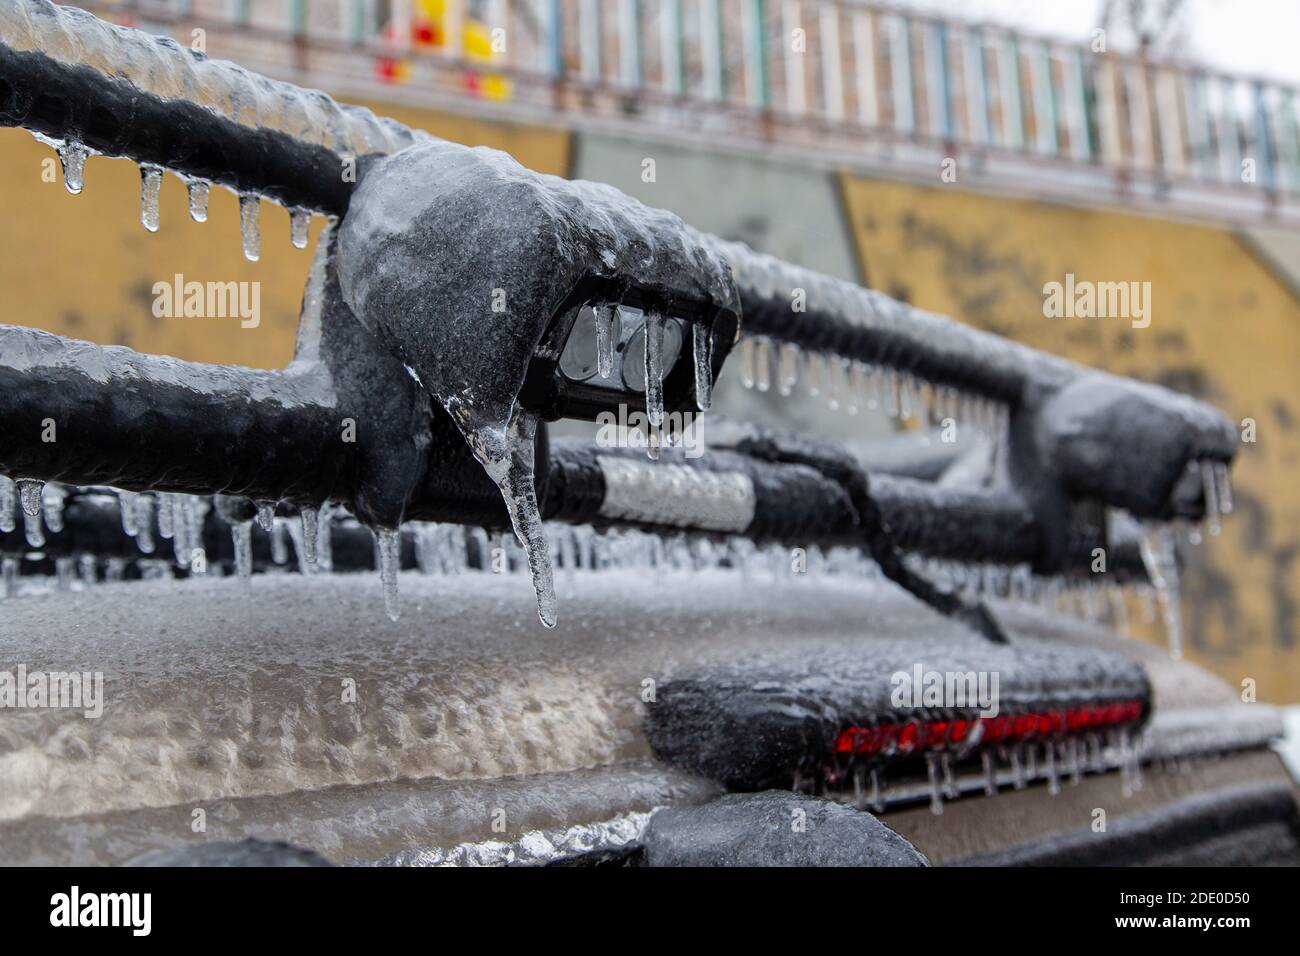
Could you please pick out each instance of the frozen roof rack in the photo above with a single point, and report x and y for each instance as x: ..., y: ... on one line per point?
x: 448, y: 393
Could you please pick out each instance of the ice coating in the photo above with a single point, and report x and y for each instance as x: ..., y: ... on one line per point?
x: 439, y: 236
x: 164, y: 68
x: 463, y: 689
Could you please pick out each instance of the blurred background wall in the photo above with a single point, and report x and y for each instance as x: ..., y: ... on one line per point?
x: 958, y: 167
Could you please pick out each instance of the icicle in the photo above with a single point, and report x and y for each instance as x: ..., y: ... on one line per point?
x: 747, y: 362
x: 166, y: 516
x: 279, y: 546
x: 325, y: 537
x: 150, y: 186
x: 266, y: 515
x: 1209, y: 485
x: 654, y: 368
x: 197, y: 191
x: 425, y: 553
x: 892, y: 404
x: 847, y: 386
x: 813, y: 373
x: 949, y: 779
x: 1076, y: 762
x: 832, y: 383
x: 936, y: 793
x: 905, y: 386
x: 86, y: 570
x: 299, y: 227
x: 1161, y: 563
x: 32, y: 494
x: 875, y: 379
x: 606, y: 328
x: 1017, y: 770
x: 788, y: 372
x: 242, y: 537
x: 144, y: 524
x: 64, y: 573
x: 389, y: 542
x: 53, y: 507
x: 507, y: 457
x: 990, y: 780
x: 250, y: 209
x: 860, y: 788
x: 33, y: 530
x: 72, y: 157
x: 877, y: 798
x: 310, y: 527
x: 763, y: 364
x: 702, y: 348
x: 1223, y: 487
x: 114, y: 569
x: 8, y: 501
x: 126, y: 510
x: 9, y: 570
x: 1049, y: 757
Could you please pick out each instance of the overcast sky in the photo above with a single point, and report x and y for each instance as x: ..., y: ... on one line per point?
x: 1255, y: 37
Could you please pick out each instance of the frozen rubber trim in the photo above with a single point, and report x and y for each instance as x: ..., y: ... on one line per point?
x: 676, y: 495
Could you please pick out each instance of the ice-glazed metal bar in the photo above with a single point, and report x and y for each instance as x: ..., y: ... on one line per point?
x: 72, y: 77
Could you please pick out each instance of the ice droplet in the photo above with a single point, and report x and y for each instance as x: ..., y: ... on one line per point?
x: 310, y: 526
x: 388, y: 542
x: 150, y: 186
x: 250, y: 228
x: 654, y: 368
x: 72, y: 157
x: 198, y: 191
x: 702, y: 348
x: 606, y: 323
x: 32, y: 494
x: 242, y: 535
x: 299, y: 227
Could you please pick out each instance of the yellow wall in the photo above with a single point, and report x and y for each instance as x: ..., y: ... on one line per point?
x: 1223, y: 327
x: 83, y: 266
